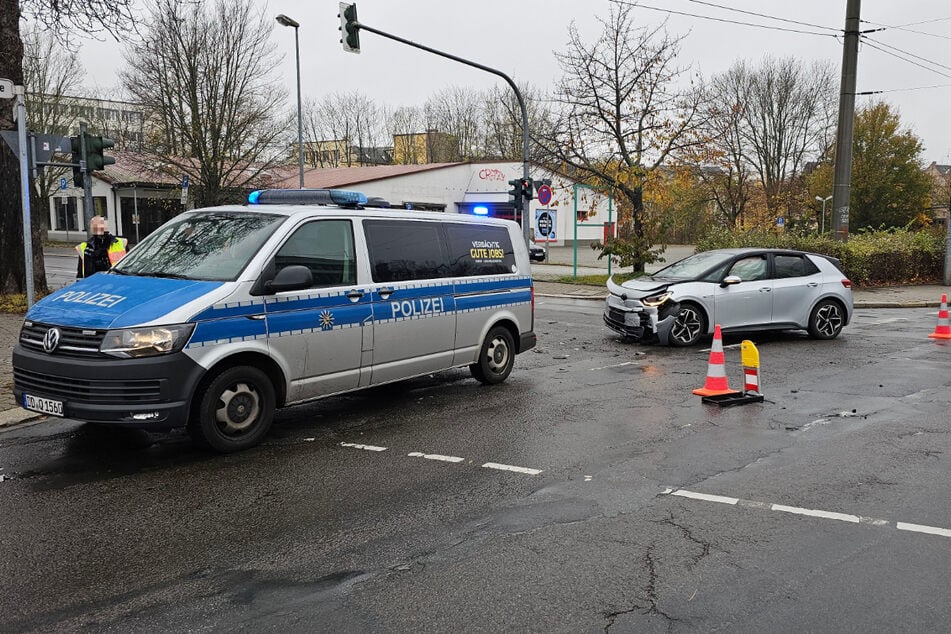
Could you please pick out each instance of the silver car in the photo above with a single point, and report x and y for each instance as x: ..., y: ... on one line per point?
x: 739, y: 289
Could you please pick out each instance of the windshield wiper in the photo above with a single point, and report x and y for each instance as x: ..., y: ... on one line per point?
x: 163, y: 274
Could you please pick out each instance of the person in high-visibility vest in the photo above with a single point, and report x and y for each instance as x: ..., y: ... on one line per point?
x: 101, y: 251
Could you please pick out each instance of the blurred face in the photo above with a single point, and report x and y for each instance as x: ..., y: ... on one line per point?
x: 98, y: 225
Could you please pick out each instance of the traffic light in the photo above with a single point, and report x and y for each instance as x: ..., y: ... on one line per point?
x: 95, y: 160
x: 527, y: 188
x: 516, y: 193
x: 349, y: 27
x: 76, y: 158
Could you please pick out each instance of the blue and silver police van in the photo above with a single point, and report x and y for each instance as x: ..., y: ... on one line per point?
x: 224, y: 314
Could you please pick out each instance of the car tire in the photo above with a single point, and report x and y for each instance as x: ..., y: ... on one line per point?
x: 689, y: 326
x: 826, y: 319
x: 496, y: 357
x: 234, y: 410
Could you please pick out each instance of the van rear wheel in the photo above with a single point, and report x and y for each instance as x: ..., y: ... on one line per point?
x: 496, y: 357
x: 235, y: 410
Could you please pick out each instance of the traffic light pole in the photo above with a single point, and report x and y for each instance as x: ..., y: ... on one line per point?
x: 518, y: 95
x: 87, y: 178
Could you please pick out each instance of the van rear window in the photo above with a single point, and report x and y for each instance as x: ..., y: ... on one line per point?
x: 480, y: 250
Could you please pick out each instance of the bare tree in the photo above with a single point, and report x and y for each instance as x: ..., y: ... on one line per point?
x: 405, y: 121
x: 502, y: 122
x: 51, y: 73
x: 87, y: 16
x: 619, y: 115
x: 206, y: 75
x: 343, y: 128
x: 779, y: 114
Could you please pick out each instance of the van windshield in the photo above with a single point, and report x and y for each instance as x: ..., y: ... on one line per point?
x: 211, y: 245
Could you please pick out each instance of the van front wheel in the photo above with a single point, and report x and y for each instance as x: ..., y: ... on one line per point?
x: 496, y: 357
x: 235, y: 410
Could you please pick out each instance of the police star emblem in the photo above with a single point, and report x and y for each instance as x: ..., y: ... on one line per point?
x: 326, y: 320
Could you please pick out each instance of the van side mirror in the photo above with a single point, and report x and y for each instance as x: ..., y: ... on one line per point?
x: 729, y: 280
x: 291, y: 278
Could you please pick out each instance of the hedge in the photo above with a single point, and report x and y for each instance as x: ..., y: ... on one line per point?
x: 869, y: 258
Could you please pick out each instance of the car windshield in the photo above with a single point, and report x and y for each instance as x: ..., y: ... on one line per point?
x: 213, y: 245
x: 692, y: 267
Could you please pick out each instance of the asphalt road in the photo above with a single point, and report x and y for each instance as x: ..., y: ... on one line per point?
x: 618, y: 502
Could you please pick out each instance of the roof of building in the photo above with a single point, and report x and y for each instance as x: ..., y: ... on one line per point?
x: 330, y: 177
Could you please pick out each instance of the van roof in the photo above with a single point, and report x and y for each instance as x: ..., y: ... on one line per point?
x: 337, y: 211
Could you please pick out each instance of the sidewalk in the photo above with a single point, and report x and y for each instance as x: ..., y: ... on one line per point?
x: 545, y: 286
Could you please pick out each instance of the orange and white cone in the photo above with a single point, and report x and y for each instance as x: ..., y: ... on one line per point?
x: 716, y: 382
x: 943, y: 329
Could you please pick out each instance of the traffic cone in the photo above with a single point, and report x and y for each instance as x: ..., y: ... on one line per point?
x: 716, y: 382
x: 943, y: 329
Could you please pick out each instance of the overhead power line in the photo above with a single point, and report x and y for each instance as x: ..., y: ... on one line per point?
x: 639, y: 5
x: 901, y: 28
x: 905, y: 59
x: 908, y: 53
x: 764, y: 15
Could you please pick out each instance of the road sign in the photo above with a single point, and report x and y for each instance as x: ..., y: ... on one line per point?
x: 185, y: 181
x: 6, y: 89
x: 780, y: 221
x: 544, y: 195
x: 62, y: 183
x: 545, y: 225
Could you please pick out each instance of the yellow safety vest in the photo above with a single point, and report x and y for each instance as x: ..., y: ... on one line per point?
x: 115, y: 252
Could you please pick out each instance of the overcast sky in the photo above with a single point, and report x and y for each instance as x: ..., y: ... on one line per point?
x: 518, y: 37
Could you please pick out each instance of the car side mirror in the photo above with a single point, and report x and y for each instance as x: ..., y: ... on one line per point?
x: 291, y: 278
x: 730, y: 280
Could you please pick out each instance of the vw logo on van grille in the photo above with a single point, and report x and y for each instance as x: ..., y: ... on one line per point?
x: 51, y: 340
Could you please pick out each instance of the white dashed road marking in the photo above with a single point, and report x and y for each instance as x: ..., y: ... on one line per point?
x: 795, y: 510
x: 918, y: 528
x: 435, y: 456
x: 453, y: 459
x: 364, y: 447
x: 506, y: 467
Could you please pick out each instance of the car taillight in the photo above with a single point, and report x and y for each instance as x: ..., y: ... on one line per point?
x: 847, y: 283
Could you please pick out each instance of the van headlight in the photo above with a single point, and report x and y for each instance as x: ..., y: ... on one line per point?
x: 656, y: 300
x: 146, y: 342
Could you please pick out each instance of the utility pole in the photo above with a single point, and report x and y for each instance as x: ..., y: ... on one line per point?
x: 841, y: 189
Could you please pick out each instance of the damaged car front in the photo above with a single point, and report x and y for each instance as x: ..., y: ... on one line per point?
x: 641, y: 310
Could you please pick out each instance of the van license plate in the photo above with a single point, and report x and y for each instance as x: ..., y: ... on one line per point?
x: 43, y: 405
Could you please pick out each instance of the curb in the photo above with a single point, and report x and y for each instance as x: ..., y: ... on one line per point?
x: 15, y: 416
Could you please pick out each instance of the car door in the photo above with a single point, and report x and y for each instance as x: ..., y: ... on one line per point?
x: 747, y: 303
x: 797, y: 283
x: 319, y: 332
x: 414, y: 318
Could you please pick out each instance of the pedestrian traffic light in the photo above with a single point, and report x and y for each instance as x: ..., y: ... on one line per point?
x: 349, y: 27
x: 76, y: 158
x: 95, y: 160
x: 516, y: 193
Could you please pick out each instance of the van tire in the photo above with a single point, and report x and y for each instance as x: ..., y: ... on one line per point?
x: 235, y: 410
x: 496, y: 357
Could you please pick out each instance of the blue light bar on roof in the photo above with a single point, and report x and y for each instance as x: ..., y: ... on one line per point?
x: 340, y: 197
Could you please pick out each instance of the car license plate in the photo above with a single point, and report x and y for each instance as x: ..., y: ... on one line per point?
x: 43, y: 405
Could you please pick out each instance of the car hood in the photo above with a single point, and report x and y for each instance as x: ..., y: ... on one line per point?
x: 116, y: 301
x: 639, y: 286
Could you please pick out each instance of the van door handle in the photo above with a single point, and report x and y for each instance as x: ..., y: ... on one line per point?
x: 384, y: 292
x: 354, y: 296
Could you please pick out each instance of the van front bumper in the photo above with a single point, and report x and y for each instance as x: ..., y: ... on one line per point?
x: 152, y: 392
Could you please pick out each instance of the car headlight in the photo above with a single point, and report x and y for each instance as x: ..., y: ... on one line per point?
x: 146, y: 342
x: 656, y: 300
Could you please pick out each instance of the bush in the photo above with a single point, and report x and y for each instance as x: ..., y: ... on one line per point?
x: 869, y: 258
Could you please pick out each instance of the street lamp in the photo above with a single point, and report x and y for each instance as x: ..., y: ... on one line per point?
x: 286, y: 21
x: 823, y: 201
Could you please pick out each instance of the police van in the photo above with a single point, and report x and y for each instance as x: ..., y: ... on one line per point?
x: 224, y: 314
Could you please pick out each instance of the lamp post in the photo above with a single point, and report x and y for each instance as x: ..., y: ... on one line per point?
x: 286, y: 21
x: 823, y: 201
